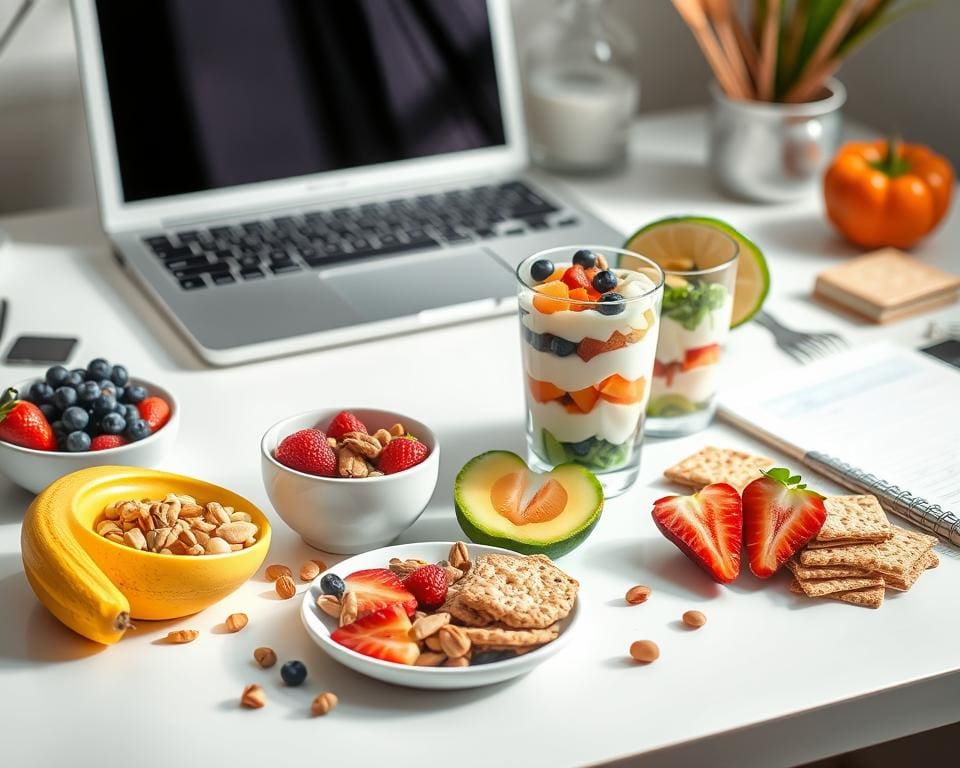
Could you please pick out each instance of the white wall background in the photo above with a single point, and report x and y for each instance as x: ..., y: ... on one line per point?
x: 905, y: 80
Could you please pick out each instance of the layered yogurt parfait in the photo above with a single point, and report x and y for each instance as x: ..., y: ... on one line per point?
x: 589, y: 319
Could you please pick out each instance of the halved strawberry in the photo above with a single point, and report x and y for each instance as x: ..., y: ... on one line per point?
x: 377, y: 588
x: 780, y: 515
x: 383, y: 634
x: 576, y: 277
x: 707, y: 527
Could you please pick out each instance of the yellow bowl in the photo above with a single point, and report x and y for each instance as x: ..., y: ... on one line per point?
x: 157, y: 586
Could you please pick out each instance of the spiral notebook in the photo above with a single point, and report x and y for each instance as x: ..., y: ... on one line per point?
x: 880, y: 419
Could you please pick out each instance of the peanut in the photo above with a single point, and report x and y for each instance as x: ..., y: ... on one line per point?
x: 216, y: 546
x: 253, y: 697
x: 454, y: 642
x: 264, y: 656
x: 285, y: 587
x: 433, y: 644
x: 397, y: 430
x: 323, y: 703
x: 320, y: 564
x: 309, y: 571
x: 638, y: 594
x: 644, y: 651
x: 428, y: 625
x: 430, y: 659
x: 459, y: 556
x: 237, y: 533
x: 134, y: 538
x: 383, y: 436
x: 236, y: 621
x: 276, y: 570
x: 348, y: 608
x: 460, y: 661
x: 329, y: 605
x: 694, y: 619
x: 180, y: 636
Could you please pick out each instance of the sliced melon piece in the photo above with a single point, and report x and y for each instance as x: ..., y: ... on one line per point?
x: 501, y: 502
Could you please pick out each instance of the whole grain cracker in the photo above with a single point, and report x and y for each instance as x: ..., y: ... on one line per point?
x: 502, y: 637
x: 462, y: 612
x: 854, y: 518
x: 520, y: 592
x: 824, y: 572
x: 814, y: 544
x: 718, y: 465
x: 902, y: 584
x: 894, y: 556
x: 824, y: 587
x: 871, y: 597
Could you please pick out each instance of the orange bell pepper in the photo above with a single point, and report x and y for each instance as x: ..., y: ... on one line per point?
x: 887, y: 193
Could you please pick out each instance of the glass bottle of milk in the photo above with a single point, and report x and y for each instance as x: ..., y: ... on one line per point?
x: 581, y: 88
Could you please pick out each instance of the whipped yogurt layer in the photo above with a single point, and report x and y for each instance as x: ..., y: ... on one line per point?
x: 607, y: 421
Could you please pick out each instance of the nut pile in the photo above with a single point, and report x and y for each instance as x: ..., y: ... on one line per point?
x: 177, y: 525
x: 357, y: 451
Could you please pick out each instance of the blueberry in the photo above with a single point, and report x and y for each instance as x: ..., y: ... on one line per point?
x: 40, y: 392
x: 541, y: 341
x: 527, y: 334
x: 541, y: 269
x: 113, y: 424
x: 56, y: 376
x: 611, y: 304
x: 562, y: 347
x: 104, y: 404
x: 137, y: 430
x: 64, y: 397
x: 88, y: 392
x: 74, y: 379
x: 106, y: 384
x: 58, y: 429
x: 585, y: 258
x: 130, y: 413
x: 119, y: 376
x: 134, y: 394
x: 293, y: 672
x: 583, y: 447
x: 50, y: 412
x: 99, y: 369
x: 78, y: 441
x: 331, y: 584
x: 604, y: 281
x: 75, y: 418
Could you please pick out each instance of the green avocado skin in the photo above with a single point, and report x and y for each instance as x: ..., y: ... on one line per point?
x: 553, y: 550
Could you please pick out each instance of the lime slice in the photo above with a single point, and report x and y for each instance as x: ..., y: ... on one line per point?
x: 683, y: 243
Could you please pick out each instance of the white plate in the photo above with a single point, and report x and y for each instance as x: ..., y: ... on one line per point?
x: 319, y: 626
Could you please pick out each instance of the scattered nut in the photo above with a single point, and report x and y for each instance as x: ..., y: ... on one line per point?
x: 320, y: 564
x: 433, y: 644
x: 216, y: 546
x: 236, y: 621
x: 638, y: 594
x: 332, y: 442
x: 348, y: 608
x: 276, y: 570
x: 459, y: 661
x: 329, y: 605
x: 350, y: 463
x: 453, y: 641
x: 285, y: 587
x: 430, y: 659
x: 309, y: 571
x: 428, y: 625
x: 363, y: 444
x: 264, y: 656
x: 459, y: 556
x: 323, y: 703
x: 694, y: 619
x: 253, y: 697
x: 180, y: 636
x: 237, y: 533
x: 383, y: 436
x: 645, y: 651
x: 397, y: 430
x: 601, y: 261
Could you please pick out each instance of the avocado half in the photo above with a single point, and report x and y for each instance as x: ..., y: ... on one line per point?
x: 501, y: 502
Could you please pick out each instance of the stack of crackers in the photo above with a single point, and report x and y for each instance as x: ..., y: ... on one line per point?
x: 511, y: 602
x: 718, y: 465
x: 858, y: 555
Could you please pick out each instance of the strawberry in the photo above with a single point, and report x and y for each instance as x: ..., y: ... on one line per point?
x: 780, y: 515
x: 707, y: 527
x: 383, y: 634
x: 429, y: 585
x: 377, y: 588
x: 103, y: 442
x: 155, y: 411
x: 308, y: 451
x: 401, y: 453
x: 576, y: 277
x: 345, y: 422
x: 24, y: 424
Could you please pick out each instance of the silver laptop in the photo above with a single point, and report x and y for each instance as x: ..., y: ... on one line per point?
x: 283, y: 175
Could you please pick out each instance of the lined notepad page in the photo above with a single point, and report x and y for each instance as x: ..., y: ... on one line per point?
x: 890, y: 411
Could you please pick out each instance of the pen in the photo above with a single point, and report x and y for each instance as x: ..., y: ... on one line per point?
x: 3, y: 316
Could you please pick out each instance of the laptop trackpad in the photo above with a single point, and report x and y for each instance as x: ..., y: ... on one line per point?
x: 383, y: 289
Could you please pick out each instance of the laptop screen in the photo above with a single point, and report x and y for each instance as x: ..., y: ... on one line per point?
x: 207, y: 94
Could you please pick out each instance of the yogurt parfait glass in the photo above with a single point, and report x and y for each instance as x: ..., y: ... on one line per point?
x: 695, y: 321
x: 589, y: 319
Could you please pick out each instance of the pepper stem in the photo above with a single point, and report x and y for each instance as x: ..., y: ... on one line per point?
x: 893, y: 163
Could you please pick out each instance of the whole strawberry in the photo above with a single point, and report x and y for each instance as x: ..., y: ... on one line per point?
x: 24, y: 424
x: 155, y: 411
x: 308, y: 451
x: 103, y: 442
x: 345, y: 422
x: 429, y: 585
x: 401, y: 453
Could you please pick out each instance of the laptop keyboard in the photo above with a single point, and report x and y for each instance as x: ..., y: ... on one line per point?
x: 264, y: 248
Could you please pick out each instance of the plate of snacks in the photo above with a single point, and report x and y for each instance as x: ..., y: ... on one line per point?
x: 441, y: 615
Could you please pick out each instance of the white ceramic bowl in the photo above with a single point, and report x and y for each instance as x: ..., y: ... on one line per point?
x: 319, y: 626
x: 35, y: 470
x: 348, y: 515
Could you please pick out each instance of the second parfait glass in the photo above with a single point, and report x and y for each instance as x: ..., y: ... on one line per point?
x: 588, y: 357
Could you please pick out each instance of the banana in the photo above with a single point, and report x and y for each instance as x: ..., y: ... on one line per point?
x: 61, y: 572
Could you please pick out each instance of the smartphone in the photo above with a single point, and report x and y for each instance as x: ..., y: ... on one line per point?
x: 40, y: 350
x: 948, y: 351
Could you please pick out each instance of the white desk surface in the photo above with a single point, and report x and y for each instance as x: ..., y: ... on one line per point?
x: 770, y: 681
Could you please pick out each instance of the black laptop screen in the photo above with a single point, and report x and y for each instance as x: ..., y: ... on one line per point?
x: 207, y: 94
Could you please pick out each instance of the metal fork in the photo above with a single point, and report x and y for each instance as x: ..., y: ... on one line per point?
x: 802, y: 347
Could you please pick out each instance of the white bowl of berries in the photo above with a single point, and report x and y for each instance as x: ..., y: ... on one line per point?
x: 67, y: 420
x: 349, y: 480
